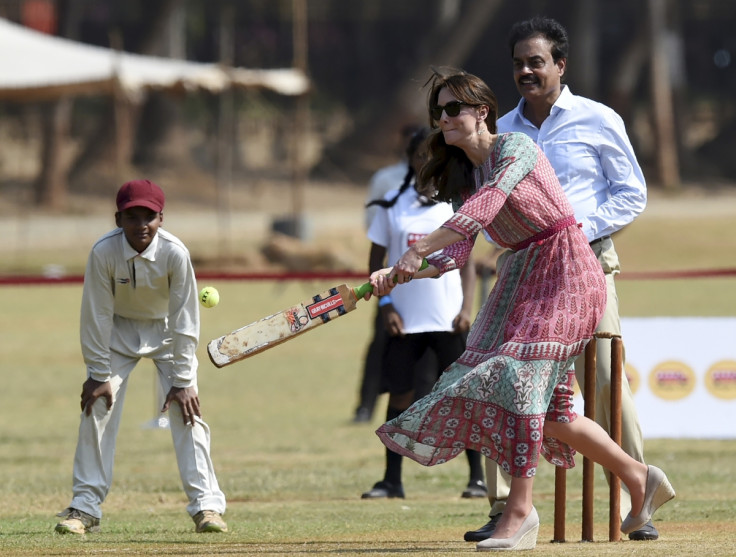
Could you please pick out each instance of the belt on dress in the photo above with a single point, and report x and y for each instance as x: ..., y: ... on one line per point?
x: 539, y: 236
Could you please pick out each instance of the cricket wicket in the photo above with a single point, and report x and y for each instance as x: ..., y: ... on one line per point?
x: 614, y: 497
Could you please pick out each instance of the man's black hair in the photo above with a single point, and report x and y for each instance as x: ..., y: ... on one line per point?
x: 549, y: 28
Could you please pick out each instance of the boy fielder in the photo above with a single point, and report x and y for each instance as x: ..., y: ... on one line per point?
x: 140, y: 300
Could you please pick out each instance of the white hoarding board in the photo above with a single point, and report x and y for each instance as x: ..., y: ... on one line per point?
x: 682, y: 371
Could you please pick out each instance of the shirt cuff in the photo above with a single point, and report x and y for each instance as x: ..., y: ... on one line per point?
x: 101, y: 376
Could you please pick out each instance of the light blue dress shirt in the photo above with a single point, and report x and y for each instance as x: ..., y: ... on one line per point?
x: 586, y: 143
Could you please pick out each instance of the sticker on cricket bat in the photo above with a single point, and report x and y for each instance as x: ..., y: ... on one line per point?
x: 277, y: 328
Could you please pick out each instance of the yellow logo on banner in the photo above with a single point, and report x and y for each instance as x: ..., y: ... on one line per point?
x: 672, y: 380
x: 720, y: 379
x: 633, y: 377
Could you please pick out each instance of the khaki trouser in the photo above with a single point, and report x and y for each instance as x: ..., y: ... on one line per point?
x: 632, y: 440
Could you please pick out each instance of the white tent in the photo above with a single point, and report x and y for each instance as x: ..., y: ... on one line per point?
x: 36, y: 66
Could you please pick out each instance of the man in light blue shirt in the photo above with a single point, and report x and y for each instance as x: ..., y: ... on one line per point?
x: 586, y: 143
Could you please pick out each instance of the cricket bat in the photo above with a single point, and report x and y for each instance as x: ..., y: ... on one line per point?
x: 274, y: 329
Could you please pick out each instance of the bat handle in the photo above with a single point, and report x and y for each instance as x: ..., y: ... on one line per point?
x: 363, y: 289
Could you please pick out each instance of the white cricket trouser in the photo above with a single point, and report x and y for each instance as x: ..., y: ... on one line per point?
x: 93, y: 461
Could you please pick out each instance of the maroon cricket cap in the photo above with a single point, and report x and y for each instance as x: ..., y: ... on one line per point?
x: 140, y: 193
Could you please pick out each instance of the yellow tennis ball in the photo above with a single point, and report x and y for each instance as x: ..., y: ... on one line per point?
x: 209, y: 296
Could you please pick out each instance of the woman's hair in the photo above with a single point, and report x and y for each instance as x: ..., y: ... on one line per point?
x: 541, y: 26
x: 448, y: 171
x: 414, y: 143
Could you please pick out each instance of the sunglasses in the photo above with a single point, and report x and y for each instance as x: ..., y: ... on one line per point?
x: 452, y: 109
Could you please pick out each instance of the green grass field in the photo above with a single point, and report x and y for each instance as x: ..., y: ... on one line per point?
x: 288, y: 458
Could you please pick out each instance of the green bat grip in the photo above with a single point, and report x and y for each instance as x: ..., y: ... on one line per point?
x: 363, y: 289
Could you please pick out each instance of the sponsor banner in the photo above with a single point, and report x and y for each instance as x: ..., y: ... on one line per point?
x: 682, y: 372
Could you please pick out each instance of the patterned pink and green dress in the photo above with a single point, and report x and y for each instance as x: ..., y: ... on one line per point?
x: 548, y: 298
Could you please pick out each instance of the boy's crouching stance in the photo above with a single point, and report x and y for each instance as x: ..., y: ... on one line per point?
x: 140, y: 301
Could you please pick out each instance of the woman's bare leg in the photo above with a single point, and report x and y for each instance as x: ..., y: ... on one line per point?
x: 590, y: 439
x: 518, y: 507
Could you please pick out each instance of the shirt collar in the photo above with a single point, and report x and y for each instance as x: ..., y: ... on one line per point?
x: 563, y: 102
x: 149, y: 253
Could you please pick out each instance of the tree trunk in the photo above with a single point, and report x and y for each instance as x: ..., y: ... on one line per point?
x: 166, y: 38
x: 114, y: 144
x: 585, y: 46
x: 452, y: 40
x: 51, y: 186
x: 662, y: 103
x: 628, y: 71
x: 226, y: 126
x: 452, y: 50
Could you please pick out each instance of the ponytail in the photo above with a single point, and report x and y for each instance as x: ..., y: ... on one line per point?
x: 387, y: 204
x: 414, y: 143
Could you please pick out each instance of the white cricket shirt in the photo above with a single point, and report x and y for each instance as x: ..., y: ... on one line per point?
x: 425, y: 305
x: 155, y: 285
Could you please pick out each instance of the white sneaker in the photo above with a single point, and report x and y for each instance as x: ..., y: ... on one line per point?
x: 209, y: 521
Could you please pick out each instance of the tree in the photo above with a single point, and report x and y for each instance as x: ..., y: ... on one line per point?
x: 51, y: 185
